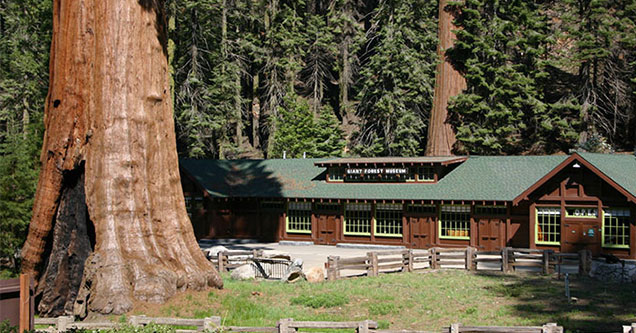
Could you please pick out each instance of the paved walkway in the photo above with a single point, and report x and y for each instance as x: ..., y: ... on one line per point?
x: 312, y: 255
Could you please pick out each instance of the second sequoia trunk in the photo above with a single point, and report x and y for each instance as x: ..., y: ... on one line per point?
x: 448, y: 83
x: 109, y: 166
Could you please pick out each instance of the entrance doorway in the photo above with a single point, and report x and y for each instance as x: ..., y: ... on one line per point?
x: 422, y: 231
x: 489, y: 231
x: 327, y: 229
x: 584, y: 235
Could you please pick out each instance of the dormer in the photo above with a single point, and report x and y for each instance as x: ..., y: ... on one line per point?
x: 429, y: 169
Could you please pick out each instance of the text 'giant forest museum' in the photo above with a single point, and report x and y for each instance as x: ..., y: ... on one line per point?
x: 564, y: 203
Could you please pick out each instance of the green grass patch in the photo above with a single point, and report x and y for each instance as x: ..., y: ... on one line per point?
x: 320, y: 300
x: 411, y: 301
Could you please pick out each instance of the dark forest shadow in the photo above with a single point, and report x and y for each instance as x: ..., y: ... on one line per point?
x: 244, y: 183
x: 599, y: 306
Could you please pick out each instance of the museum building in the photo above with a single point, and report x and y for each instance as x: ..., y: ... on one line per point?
x: 562, y: 202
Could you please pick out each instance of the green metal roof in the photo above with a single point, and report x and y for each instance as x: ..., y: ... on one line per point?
x: 489, y: 178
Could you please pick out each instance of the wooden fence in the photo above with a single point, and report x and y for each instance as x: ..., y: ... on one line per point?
x: 629, y: 329
x: 213, y: 324
x: 508, y: 260
x: 227, y: 260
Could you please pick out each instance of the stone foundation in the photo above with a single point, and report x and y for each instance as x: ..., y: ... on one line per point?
x: 603, y: 271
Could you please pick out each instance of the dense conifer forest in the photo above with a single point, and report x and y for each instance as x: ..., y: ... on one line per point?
x: 256, y: 78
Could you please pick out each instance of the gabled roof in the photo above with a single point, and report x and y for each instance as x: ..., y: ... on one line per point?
x: 479, y: 178
x: 617, y: 170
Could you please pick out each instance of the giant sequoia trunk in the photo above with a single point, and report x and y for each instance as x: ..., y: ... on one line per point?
x: 109, y: 221
x: 448, y: 83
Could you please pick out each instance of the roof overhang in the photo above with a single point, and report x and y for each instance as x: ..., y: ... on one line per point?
x: 404, y: 161
x: 578, y: 158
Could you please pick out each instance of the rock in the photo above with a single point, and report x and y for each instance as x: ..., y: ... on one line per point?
x: 298, y: 263
x: 315, y: 274
x: 244, y: 272
x: 213, y: 252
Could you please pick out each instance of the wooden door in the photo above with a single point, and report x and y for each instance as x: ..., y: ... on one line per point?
x: 327, y: 229
x: 584, y: 235
x: 270, y: 222
x: 488, y: 234
x: 422, y: 231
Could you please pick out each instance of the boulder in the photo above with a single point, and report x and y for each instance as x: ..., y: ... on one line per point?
x: 213, y: 252
x: 315, y: 274
x: 244, y: 272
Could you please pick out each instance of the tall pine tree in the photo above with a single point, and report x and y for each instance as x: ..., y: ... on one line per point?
x: 396, y: 85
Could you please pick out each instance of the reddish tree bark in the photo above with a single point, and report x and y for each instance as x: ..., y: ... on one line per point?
x: 109, y: 126
x: 448, y: 83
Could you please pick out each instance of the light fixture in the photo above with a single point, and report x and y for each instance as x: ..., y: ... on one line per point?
x: 576, y: 166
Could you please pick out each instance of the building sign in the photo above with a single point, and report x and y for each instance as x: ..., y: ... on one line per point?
x: 376, y: 171
x: 581, y: 212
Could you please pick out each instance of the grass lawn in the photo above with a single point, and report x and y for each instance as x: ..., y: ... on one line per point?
x: 427, y: 301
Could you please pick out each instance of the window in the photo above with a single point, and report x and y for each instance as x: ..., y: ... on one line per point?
x: 454, y: 222
x: 421, y: 209
x: 357, y: 219
x: 548, y: 230
x: 193, y: 205
x: 616, y: 227
x: 299, y: 217
x: 411, y: 175
x: 336, y: 174
x: 426, y: 174
x: 328, y: 206
x: 273, y: 206
x: 388, y: 220
x: 490, y: 210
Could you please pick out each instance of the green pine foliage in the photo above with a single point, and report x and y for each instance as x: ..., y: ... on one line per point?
x: 18, y: 179
x: 25, y: 32
x: 500, y: 50
x: 599, y: 57
x: 299, y: 134
x: 397, y: 79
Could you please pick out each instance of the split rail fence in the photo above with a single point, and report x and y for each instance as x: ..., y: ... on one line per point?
x: 213, y: 324
x: 227, y: 260
x: 507, y: 260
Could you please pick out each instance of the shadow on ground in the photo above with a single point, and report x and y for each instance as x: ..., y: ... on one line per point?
x: 597, y: 306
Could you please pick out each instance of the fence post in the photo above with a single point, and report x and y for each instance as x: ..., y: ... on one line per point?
x: 551, y: 328
x: 211, y: 324
x: 220, y: 257
x: 584, y: 267
x: 470, y: 253
x: 283, y: 325
x: 363, y: 327
x: 405, y: 261
x: 374, y: 264
x: 410, y: 258
x: 434, y: 258
x: 331, y: 268
x: 454, y: 328
x: 546, y: 261
x: 25, y: 321
x: 505, y: 264
x: 63, y: 323
x: 136, y: 320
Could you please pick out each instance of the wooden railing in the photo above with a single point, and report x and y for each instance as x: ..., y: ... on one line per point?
x: 547, y: 328
x: 508, y: 260
x: 213, y: 324
x: 629, y: 329
x: 227, y: 260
